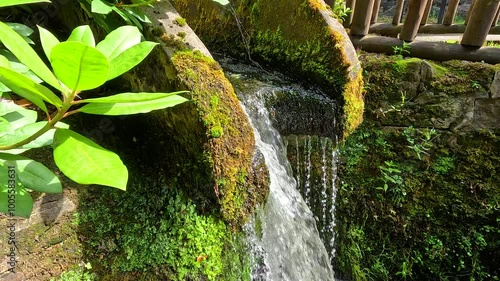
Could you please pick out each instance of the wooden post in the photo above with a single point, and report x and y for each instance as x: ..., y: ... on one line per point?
x: 442, y: 8
x: 362, y: 16
x: 427, y: 11
x: 416, y: 10
x: 376, y: 8
x: 450, y: 12
x: 469, y: 12
x: 480, y: 22
x: 349, y: 4
x: 398, y: 12
x: 495, y: 20
x: 330, y: 2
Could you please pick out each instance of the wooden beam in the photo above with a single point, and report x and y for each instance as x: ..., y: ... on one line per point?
x: 442, y: 8
x: 349, y: 4
x: 413, y: 18
x: 438, y: 51
x: 495, y: 20
x: 480, y: 22
x: 451, y: 12
x: 376, y: 8
x: 469, y: 12
x: 388, y: 29
x: 398, y: 12
x: 330, y: 2
x: 427, y: 11
x: 362, y: 16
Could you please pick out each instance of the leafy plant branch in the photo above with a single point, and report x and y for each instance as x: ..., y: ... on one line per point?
x: 77, y: 65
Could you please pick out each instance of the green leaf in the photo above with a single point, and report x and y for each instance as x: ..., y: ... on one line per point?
x: 4, y: 62
x: 222, y: 2
x: 124, y: 16
x: 85, y: 162
x: 28, y: 88
x: 132, y: 18
x: 79, y: 66
x: 23, y: 202
x: 5, y: 127
x: 131, y: 103
x: 7, y: 3
x: 119, y: 40
x: 100, y: 7
x: 139, y: 14
x: 21, y: 133
x: 21, y: 29
x: 46, y: 139
x: 129, y: 58
x: 17, y: 115
x: 32, y: 174
x: 25, y: 54
x: 48, y: 40
x: 82, y: 34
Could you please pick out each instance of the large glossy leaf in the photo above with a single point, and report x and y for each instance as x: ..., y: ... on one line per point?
x: 119, y: 40
x: 101, y: 7
x: 5, y: 127
x: 28, y: 88
x: 85, y: 162
x: 82, y: 34
x: 131, y: 103
x: 129, y: 58
x: 32, y: 174
x: 48, y: 41
x: 21, y: 133
x: 4, y: 62
x: 16, y: 44
x: 21, y: 29
x: 16, y: 115
x: 79, y: 66
x: 139, y: 14
x: 23, y: 204
x: 6, y: 3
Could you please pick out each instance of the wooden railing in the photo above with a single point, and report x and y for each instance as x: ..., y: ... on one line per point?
x: 481, y: 20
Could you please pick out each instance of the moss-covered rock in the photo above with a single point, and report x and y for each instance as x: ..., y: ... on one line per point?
x: 301, y: 35
x: 420, y: 203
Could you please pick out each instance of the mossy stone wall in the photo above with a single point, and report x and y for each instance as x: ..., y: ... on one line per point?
x: 419, y: 191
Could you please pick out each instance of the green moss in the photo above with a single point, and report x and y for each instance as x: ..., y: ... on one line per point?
x: 435, y: 222
x: 181, y: 34
x: 286, y: 35
x: 230, y: 145
x: 152, y: 229
x: 401, y: 65
x: 180, y: 21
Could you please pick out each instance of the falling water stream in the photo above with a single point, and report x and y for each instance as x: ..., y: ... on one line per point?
x: 283, y: 234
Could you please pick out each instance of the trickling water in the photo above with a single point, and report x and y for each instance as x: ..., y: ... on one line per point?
x: 293, y: 248
x: 283, y: 234
x: 307, y: 182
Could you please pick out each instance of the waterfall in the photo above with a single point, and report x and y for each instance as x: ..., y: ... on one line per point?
x: 289, y: 237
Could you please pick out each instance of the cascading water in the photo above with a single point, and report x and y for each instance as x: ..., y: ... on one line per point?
x: 293, y: 248
x: 283, y: 234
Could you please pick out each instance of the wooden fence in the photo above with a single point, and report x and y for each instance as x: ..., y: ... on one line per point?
x: 482, y: 19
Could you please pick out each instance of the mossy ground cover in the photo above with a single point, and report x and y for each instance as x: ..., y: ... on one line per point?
x: 153, y: 232
x: 418, y: 203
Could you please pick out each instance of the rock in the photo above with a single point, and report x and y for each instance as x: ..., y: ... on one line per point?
x: 47, y: 210
x: 495, y: 85
x: 486, y: 113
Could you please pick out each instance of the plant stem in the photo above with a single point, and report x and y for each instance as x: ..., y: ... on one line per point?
x: 60, y: 115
